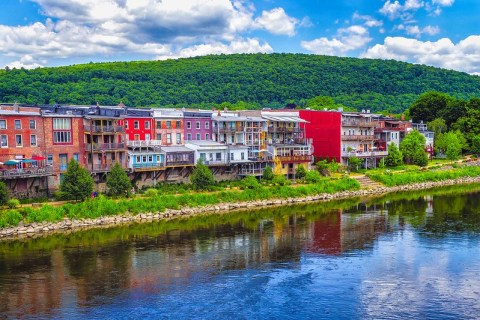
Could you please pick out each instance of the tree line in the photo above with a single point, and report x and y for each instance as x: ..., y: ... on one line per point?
x: 239, y: 81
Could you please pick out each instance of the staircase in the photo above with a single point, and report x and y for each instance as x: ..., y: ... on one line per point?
x: 366, y: 182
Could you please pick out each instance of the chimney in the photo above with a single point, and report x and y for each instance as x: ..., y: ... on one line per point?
x: 16, y: 108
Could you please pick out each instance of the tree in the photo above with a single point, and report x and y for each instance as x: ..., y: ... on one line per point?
x: 475, y: 145
x: 268, y: 174
x: 452, y: 145
x: 202, y: 177
x: 250, y: 182
x: 395, y: 157
x: 301, y: 172
x: 428, y: 105
x: 420, y: 158
x: 77, y: 183
x: 312, y: 176
x: 410, y: 146
x: 118, y: 183
x: 3, y: 193
x: 354, y: 163
x: 322, y: 167
x: 438, y: 126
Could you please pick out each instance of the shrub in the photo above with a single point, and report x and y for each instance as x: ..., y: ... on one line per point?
x: 250, y: 182
x: 151, y: 192
x: 301, y: 172
x: 312, y: 176
x: 10, y: 218
x: 3, y: 193
x: 77, y: 183
x: 13, y: 203
x: 268, y: 174
x: 202, y: 177
x: 118, y: 183
x: 281, y: 180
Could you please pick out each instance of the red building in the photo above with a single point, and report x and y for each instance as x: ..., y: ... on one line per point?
x: 324, y: 128
x: 139, y: 125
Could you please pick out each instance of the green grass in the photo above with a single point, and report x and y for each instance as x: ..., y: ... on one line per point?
x: 102, y: 206
x: 418, y: 176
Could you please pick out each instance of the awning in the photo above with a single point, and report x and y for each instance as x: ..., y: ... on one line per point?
x: 38, y: 158
x: 28, y: 160
x: 284, y: 118
x: 11, y: 162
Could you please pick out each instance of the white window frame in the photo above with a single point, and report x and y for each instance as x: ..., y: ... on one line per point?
x: 34, y: 138
x: 1, y: 126
x: 16, y: 141
x: 34, y: 124
x: 15, y: 124
x: 207, y: 125
x: 6, y: 141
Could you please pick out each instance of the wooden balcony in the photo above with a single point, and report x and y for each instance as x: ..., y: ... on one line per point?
x: 26, y: 173
x: 358, y: 137
x: 358, y: 123
x: 104, y: 147
x: 298, y: 158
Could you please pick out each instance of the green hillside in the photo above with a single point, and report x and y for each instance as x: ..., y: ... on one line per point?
x: 259, y: 80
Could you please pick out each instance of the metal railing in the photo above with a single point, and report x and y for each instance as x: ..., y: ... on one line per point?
x: 358, y: 123
x: 147, y: 166
x: 98, y: 129
x: 144, y: 143
x: 25, y: 172
x: 357, y: 137
x: 104, y: 146
x: 365, y: 154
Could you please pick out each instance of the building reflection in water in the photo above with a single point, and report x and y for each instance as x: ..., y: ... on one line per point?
x: 48, y: 282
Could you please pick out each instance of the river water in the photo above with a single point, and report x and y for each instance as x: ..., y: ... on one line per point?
x: 412, y: 255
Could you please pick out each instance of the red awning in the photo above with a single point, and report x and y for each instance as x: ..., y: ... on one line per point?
x: 38, y: 158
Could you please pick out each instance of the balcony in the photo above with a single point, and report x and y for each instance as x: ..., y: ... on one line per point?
x: 358, y: 137
x: 26, y: 173
x: 214, y: 162
x: 364, y: 154
x: 284, y: 130
x: 147, y: 166
x: 298, y: 158
x: 99, y: 167
x: 144, y: 143
x: 231, y: 129
x: 358, y: 123
x: 101, y: 129
x: 104, y: 146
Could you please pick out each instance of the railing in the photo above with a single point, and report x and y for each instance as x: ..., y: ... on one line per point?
x: 297, y: 158
x: 144, y: 143
x: 231, y: 129
x: 358, y: 137
x: 380, y: 130
x: 146, y: 166
x: 214, y: 162
x: 358, y: 123
x: 99, y: 129
x: 284, y: 130
x: 25, y: 173
x: 101, y: 167
x: 365, y: 154
x: 179, y: 163
x: 251, y: 172
x: 104, y: 146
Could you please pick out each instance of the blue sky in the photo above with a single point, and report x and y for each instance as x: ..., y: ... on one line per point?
x: 441, y: 33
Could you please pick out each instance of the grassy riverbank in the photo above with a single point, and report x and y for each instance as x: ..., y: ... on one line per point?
x: 102, y: 206
x: 391, y: 179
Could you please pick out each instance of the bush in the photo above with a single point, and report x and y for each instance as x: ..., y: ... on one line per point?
x: 268, y: 174
x: 312, y: 176
x: 10, y: 218
x: 202, y: 177
x: 281, y: 180
x: 3, y: 193
x: 13, y: 203
x: 151, y: 192
x: 118, y: 183
x: 250, y: 182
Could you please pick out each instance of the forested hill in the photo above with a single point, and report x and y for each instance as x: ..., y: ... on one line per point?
x: 260, y: 80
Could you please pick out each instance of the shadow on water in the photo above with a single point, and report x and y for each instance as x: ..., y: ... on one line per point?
x: 63, y: 275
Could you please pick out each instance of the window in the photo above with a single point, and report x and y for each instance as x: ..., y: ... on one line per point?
x: 203, y: 156
x: 147, y: 124
x: 218, y: 156
x: 169, y: 138
x: 207, y: 125
x: 3, y: 124
x: 197, y: 124
x: 197, y: 136
x: 147, y: 136
x: 18, y: 140
x: 135, y: 125
x: 159, y: 136
x: 178, y: 124
x: 50, y: 159
x: 33, y: 140
x: 159, y: 124
x: 62, y: 131
x: 126, y: 124
x: 179, y: 138
x: 169, y: 124
x: 189, y: 136
x: 136, y: 137
x: 33, y: 124
x: 231, y: 156
x: 4, y: 141
x: 242, y: 156
x: 189, y: 124
x: 76, y: 157
x: 18, y: 124
x: 62, y: 137
x: 207, y: 136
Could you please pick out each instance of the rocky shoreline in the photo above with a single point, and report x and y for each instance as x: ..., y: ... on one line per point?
x: 35, y: 230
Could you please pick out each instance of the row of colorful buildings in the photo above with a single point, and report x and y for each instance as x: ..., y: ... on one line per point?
x: 157, y: 145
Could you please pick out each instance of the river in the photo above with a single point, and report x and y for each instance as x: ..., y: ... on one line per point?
x: 409, y: 255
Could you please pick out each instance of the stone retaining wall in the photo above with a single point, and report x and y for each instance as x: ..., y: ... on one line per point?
x: 67, y: 226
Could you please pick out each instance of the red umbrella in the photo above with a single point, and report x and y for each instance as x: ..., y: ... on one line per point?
x: 38, y: 158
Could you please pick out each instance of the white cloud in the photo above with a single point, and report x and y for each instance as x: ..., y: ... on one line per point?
x: 443, y: 3
x: 236, y: 46
x: 417, y: 31
x: 347, y: 39
x: 152, y: 27
x: 463, y: 56
x: 276, y: 21
x: 368, y: 20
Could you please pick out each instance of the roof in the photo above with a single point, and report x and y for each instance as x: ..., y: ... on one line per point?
x: 21, y: 113
x: 176, y: 149
x: 205, y: 143
x: 282, y: 118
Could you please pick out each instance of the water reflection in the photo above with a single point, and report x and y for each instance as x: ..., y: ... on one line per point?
x: 384, y: 252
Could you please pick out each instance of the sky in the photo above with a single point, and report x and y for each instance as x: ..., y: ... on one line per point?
x: 46, y: 33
